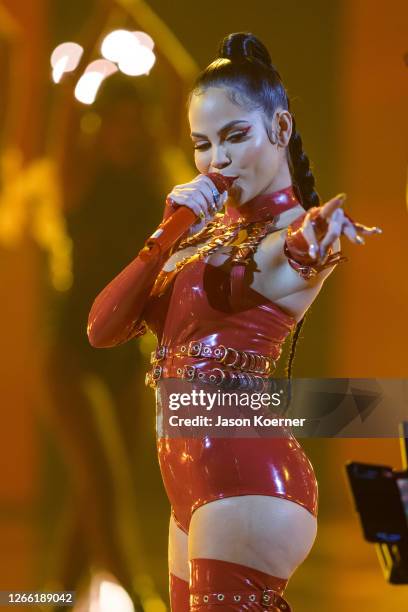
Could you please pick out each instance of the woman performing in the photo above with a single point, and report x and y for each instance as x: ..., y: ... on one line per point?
x: 221, y: 300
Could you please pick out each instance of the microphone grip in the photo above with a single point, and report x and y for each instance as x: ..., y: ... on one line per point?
x: 172, y: 228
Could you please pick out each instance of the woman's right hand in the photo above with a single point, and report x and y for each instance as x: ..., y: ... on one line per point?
x: 200, y: 196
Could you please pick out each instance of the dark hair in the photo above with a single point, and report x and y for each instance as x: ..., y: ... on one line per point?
x: 244, y: 68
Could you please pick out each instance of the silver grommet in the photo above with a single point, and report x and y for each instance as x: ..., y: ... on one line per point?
x: 205, y: 598
x: 179, y: 370
x: 252, y: 597
x: 220, y: 597
x: 237, y: 597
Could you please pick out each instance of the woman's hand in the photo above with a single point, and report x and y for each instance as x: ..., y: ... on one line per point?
x: 201, y: 196
x: 322, y: 226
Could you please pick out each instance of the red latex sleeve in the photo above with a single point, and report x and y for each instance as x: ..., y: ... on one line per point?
x: 116, y: 315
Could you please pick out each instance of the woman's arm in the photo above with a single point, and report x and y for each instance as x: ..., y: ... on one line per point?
x: 116, y: 315
x: 301, y: 258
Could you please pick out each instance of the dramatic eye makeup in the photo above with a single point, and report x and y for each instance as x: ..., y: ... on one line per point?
x: 235, y: 136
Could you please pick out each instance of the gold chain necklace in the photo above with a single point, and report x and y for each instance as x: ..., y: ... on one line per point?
x: 220, y: 235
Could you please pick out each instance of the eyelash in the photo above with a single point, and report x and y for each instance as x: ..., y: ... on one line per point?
x: 238, y: 135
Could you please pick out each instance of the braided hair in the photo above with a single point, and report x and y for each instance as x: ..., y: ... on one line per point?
x: 244, y: 68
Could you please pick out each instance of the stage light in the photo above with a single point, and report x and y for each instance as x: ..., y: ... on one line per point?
x: 113, y: 597
x: 144, y: 39
x: 139, y: 60
x: 132, y: 51
x: 65, y: 58
x: 116, y: 44
x: 89, y: 83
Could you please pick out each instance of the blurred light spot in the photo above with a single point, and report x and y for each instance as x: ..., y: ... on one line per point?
x: 144, y: 39
x: 113, y: 597
x: 116, y: 44
x: 132, y: 51
x: 104, y: 595
x: 138, y: 61
x: 89, y: 83
x: 65, y: 58
x: 90, y: 123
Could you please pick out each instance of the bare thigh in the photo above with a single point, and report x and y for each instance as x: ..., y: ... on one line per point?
x: 178, y: 551
x: 271, y: 534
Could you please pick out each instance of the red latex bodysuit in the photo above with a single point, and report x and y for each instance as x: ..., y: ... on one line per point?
x: 207, y: 303
x: 215, y: 305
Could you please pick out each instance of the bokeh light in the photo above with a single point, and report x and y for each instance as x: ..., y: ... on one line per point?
x: 116, y: 45
x: 89, y: 83
x: 139, y: 61
x: 65, y: 58
x: 144, y: 39
x: 132, y: 51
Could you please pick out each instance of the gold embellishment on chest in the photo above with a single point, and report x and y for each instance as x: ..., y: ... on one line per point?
x: 243, y: 237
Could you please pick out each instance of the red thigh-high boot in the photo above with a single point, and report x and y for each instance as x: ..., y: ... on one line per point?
x: 179, y: 594
x: 220, y: 585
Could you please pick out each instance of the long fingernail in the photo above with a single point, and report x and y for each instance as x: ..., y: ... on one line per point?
x: 312, y: 250
x: 341, y: 196
x: 360, y: 240
x: 378, y: 230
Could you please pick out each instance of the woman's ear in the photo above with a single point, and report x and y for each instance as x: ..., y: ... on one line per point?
x: 283, y: 127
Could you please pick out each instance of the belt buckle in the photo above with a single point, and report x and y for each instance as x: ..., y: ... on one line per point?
x: 212, y: 376
x: 194, y: 348
x: 258, y: 369
x: 268, y: 597
x: 157, y: 372
x: 207, y: 351
x: 188, y: 372
x: 270, y: 365
x: 244, y: 360
x: 158, y: 354
x: 219, y: 352
x: 161, y: 351
x: 252, y: 362
x: 224, y: 357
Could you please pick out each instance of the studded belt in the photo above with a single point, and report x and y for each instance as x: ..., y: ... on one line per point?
x: 228, y: 356
x: 268, y: 599
x: 170, y: 362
